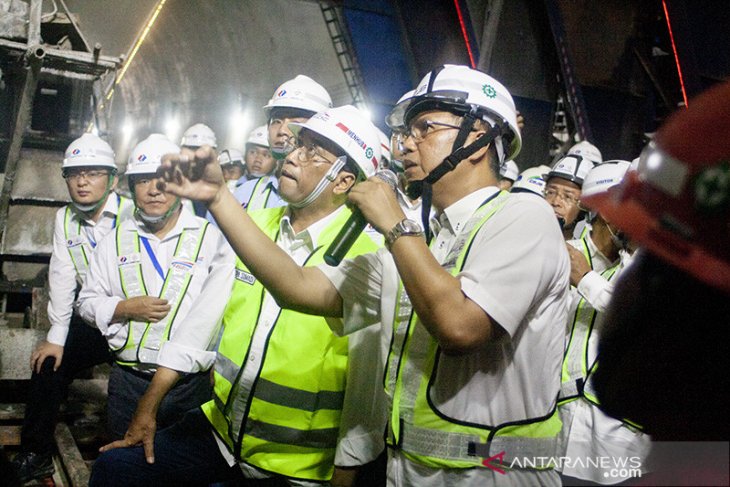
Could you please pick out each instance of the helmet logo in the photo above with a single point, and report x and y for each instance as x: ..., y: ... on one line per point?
x: 281, y: 93
x: 142, y: 158
x: 489, y: 91
x: 712, y: 188
x: 76, y: 152
x: 369, y: 152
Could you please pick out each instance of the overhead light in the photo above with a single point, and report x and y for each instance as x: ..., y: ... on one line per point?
x: 127, y: 129
x: 172, y: 127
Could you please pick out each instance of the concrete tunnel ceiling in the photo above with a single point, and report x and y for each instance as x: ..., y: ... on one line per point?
x: 207, y: 61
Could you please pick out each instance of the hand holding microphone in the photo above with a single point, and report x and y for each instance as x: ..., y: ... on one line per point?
x: 354, y: 226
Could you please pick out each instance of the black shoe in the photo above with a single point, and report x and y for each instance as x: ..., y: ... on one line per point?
x: 30, y: 466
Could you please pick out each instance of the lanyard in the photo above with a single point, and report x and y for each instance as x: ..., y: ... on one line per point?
x: 153, y: 257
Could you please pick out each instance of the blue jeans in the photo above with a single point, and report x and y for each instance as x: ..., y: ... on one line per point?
x: 186, y: 454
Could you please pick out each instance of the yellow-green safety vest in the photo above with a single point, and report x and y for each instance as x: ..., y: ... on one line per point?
x: 286, y: 421
x: 78, y: 245
x: 257, y: 201
x: 426, y: 435
x: 576, y: 373
x: 144, y: 339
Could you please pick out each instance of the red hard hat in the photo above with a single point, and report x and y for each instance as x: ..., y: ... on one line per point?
x: 677, y: 203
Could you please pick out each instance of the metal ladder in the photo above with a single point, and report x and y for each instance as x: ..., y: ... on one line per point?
x: 342, y: 43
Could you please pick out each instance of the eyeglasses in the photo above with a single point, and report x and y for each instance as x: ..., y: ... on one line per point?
x: 420, y: 129
x: 310, y: 153
x: 569, y: 198
x: 90, y: 176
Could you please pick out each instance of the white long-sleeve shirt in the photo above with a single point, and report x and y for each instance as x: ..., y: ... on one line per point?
x: 62, y: 276
x: 194, y: 331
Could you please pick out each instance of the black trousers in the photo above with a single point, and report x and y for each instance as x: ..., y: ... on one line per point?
x: 85, y: 347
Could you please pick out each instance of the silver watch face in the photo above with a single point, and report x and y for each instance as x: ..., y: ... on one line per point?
x: 409, y: 226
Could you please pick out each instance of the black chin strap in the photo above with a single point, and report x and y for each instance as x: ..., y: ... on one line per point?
x: 415, y: 188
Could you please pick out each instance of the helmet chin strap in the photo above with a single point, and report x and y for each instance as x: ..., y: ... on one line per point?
x: 156, y: 220
x: 422, y: 188
x: 90, y: 209
x: 618, y: 239
x: 326, y: 179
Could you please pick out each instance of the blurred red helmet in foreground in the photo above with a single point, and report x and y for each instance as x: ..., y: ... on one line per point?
x: 677, y: 203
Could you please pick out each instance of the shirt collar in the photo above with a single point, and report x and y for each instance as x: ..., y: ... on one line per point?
x: 455, y: 216
x: 307, y: 237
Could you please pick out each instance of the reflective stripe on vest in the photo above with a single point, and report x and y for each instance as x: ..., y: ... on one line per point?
x: 575, y: 368
x: 425, y: 435
x: 258, y: 200
x: 144, y: 339
x: 283, y: 417
x: 77, y: 243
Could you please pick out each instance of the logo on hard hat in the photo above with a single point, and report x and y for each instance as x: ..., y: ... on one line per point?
x: 369, y: 152
x: 712, y: 188
x: 281, y: 93
x: 489, y: 91
x: 76, y: 152
x: 142, y: 158
x: 354, y: 137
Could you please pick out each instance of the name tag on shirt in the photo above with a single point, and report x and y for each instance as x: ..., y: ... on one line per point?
x: 182, y: 265
x: 75, y: 241
x: 128, y: 259
x: 245, y: 277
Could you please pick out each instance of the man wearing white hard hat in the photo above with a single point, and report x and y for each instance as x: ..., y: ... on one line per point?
x: 90, y: 172
x: 293, y: 402
x: 473, y: 323
x: 294, y: 101
x: 233, y: 165
x: 156, y: 289
x: 197, y: 135
x: 562, y: 190
x: 261, y: 189
x: 597, y: 260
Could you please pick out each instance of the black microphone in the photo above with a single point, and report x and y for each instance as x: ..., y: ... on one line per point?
x: 354, y: 226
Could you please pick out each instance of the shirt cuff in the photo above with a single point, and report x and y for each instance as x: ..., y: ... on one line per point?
x: 105, y: 312
x: 184, y: 359
x: 57, y: 335
x: 356, y: 450
x: 592, y: 285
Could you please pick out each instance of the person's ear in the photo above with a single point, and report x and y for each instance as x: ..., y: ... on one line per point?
x: 344, y: 182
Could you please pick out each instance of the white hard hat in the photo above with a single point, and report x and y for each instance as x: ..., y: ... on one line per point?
x: 466, y: 90
x: 394, y: 120
x: 198, y: 135
x: 604, y: 176
x: 531, y: 180
x: 384, y: 147
x: 259, y: 136
x: 509, y: 170
x: 587, y: 151
x: 351, y: 130
x: 301, y: 92
x: 230, y: 156
x: 146, y: 156
x: 572, y: 168
x: 89, y: 150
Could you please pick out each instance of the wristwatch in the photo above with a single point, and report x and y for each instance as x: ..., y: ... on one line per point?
x: 404, y: 227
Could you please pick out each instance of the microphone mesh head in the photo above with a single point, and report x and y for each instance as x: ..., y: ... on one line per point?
x: 389, y: 177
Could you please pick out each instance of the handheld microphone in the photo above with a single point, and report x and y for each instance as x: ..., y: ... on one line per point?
x: 354, y: 226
